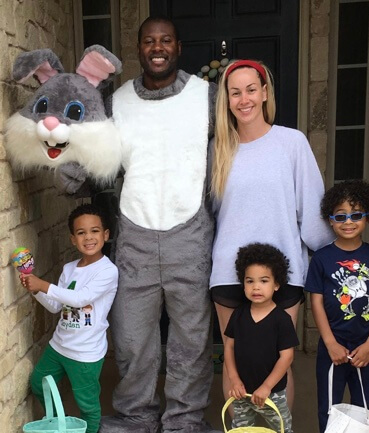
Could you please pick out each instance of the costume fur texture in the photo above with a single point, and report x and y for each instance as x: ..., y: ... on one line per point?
x: 65, y: 120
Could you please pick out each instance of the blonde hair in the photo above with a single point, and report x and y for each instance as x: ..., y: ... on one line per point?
x: 226, y: 136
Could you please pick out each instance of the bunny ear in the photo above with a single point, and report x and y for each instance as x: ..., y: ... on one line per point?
x: 98, y: 65
x: 43, y: 64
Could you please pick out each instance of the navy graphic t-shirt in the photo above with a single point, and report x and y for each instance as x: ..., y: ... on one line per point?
x: 342, y: 277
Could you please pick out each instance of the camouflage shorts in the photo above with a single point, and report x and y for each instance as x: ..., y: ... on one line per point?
x: 245, y: 413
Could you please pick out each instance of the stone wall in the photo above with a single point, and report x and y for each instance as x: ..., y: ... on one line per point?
x: 318, y: 114
x: 31, y: 212
x: 132, y: 14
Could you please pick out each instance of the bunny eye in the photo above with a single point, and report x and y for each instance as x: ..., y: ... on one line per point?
x: 41, y: 105
x: 74, y: 110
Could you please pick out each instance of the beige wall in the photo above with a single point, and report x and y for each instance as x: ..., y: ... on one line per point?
x: 31, y: 212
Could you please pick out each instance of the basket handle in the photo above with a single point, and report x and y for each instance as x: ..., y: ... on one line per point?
x: 268, y: 402
x: 51, y: 393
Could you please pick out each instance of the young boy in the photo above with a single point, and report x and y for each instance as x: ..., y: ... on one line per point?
x: 84, y: 295
x: 261, y: 339
x: 337, y: 280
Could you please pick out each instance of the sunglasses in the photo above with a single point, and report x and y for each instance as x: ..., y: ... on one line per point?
x: 342, y: 217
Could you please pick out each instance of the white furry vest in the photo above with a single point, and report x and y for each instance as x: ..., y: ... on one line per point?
x: 164, y: 154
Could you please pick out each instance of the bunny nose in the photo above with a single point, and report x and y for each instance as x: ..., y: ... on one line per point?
x: 51, y: 122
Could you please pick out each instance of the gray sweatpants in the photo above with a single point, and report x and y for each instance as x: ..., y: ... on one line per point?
x: 158, y: 267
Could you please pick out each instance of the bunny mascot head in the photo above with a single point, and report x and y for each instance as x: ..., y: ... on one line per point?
x: 65, y: 120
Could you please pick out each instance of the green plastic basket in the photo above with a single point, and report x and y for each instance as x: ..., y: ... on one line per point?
x: 51, y: 424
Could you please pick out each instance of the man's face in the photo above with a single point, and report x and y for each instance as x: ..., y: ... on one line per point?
x: 158, y: 51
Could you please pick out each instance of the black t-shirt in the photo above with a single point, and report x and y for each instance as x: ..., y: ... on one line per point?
x: 257, y: 344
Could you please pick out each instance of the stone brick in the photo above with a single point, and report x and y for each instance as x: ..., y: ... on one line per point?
x: 2, y: 147
x: 5, y: 250
x: 25, y: 236
x: 7, y: 196
x: 311, y: 340
x: 13, y: 290
x: 13, y: 339
x: 318, y: 142
x: 318, y: 106
x: 4, y: 226
x: 22, y: 414
x: 5, y: 63
x: 7, y: 363
x: 319, y: 59
x: 24, y: 307
x: 51, y: 206
x: 3, y: 331
x: 29, y: 38
x: 6, y: 388
x: 309, y: 319
x: 5, y: 417
x: 2, y: 285
x: 320, y: 25
x: 11, y: 314
x: 22, y: 372
x: 38, y: 321
x: 14, y: 218
x: 25, y: 336
x: 6, y: 179
x: 8, y: 17
x: 320, y: 7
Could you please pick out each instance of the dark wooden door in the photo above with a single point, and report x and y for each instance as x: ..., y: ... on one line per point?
x: 265, y: 30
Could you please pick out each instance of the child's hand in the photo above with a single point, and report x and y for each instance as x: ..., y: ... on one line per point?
x: 237, y: 390
x: 260, y: 395
x: 34, y: 284
x: 338, y: 353
x: 360, y: 355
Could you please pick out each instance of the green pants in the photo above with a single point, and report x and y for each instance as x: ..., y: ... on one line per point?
x: 84, y: 378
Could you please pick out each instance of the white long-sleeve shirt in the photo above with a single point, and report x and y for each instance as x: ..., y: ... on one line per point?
x: 272, y: 195
x: 84, y: 296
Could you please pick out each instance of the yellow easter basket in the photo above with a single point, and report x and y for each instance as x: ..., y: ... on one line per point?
x: 250, y: 429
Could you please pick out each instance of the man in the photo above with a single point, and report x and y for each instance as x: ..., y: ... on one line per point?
x: 164, y: 244
x: 163, y: 249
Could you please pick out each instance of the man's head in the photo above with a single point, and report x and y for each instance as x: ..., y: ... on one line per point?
x: 158, y: 51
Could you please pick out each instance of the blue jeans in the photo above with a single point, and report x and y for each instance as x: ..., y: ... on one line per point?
x: 343, y: 374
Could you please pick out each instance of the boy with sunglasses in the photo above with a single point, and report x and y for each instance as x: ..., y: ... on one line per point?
x: 338, y: 279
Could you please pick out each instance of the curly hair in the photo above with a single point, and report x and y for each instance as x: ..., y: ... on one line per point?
x: 356, y: 192
x: 265, y: 255
x: 86, y: 209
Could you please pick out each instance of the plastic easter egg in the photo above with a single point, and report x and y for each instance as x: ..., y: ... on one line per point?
x: 213, y: 73
x: 214, y: 64
x: 22, y: 260
x: 224, y: 62
x: 205, y: 69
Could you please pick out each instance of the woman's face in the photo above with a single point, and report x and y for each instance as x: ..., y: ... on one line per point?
x: 246, y: 96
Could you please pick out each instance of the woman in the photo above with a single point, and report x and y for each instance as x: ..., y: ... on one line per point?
x: 267, y: 188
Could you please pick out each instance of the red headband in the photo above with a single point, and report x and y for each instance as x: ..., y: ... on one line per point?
x: 250, y: 63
